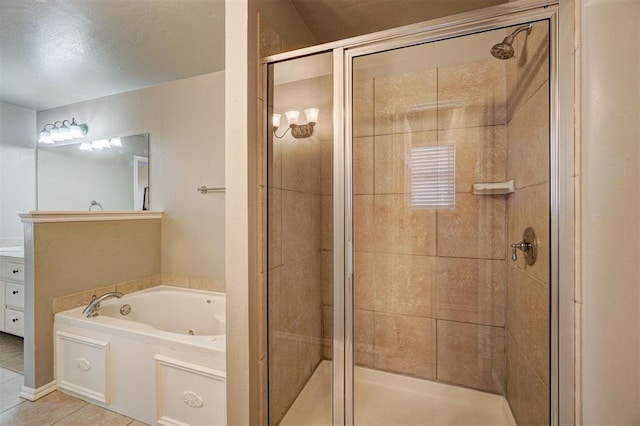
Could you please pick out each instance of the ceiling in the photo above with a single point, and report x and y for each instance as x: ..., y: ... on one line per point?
x: 330, y: 20
x: 59, y: 52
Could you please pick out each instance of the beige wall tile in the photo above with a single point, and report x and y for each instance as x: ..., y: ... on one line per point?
x: 474, y: 229
x: 365, y: 277
x: 399, y: 228
x: 326, y: 232
x: 531, y: 65
x: 405, y: 345
x: 274, y: 176
x: 405, y: 285
x: 530, y: 207
x: 74, y: 300
x: 471, y: 355
x: 391, y: 153
x: 364, y: 232
x: 260, y: 144
x: 364, y: 333
x: 327, y: 278
x: 301, y: 297
x: 326, y: 166
x: 481, y: 154
x: 528, y: 149
x: 471, y: 290
x: 528, y: 319
x: 362, y: 106
x: 301, y: 217
x: 175, y: 280
x: 137, y: 285
x: 200, y: 283
x: 472, y: 95
x: 300, y: 165
x: 363, y: 165
x: 261, y: 228
x: 327, y: 327
x: 275, y: 228
x: 527, y: 395
x: 405, y: 102
x: 275, y: 301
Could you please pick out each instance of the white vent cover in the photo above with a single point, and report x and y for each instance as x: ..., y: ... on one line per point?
x: 431, y: 180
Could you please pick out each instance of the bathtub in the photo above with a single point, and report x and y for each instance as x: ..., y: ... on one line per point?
x: 160, y: 361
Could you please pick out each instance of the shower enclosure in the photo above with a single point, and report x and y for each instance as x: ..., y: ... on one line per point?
x: 402, y: 286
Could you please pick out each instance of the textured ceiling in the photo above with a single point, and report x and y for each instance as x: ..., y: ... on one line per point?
x: 58, y: 52
x: 330, y: 20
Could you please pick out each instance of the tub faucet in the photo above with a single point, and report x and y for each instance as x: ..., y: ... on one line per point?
x: 92, y: 308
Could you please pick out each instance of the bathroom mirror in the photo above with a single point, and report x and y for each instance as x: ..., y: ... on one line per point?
x: 102, y: 174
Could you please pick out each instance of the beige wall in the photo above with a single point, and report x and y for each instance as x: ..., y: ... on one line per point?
x: 184, y: 120
x: 527, y: 339
x: 610, y: 240
x: 73, y: 257
x: 17, y: 170
x: 243, y: 164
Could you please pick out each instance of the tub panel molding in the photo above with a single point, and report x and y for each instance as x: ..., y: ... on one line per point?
x: 83, y: 366
x: 188, y: 393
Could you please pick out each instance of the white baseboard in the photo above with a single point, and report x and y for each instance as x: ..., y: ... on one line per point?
x: 32, y: 394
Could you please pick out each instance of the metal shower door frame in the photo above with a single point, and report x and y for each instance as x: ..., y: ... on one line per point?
x: 562, y: 219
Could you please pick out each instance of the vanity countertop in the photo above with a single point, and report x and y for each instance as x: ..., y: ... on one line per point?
x: 12, y: 252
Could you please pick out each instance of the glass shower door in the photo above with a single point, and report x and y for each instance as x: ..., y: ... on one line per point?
x: 300, y: 232
x: 440, y: 308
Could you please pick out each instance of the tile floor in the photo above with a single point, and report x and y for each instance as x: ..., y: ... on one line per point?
x: 53, y: 409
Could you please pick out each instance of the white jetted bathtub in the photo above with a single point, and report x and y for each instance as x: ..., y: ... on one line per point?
x: 157, y: 356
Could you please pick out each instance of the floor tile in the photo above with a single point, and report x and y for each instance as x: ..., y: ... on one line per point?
x: 9, y: 391
x: 96, y: 416
x: 45, y: 411
x: 6, y: 374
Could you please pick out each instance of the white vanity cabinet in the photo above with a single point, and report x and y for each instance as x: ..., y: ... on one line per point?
x: 12, y: 293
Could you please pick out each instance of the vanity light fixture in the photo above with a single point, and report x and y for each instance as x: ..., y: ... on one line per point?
x: 298, y: 131
x: 101, y: 144
x: 64, y: 130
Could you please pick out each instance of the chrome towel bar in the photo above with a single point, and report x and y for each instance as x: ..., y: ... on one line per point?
x: 204, y: 190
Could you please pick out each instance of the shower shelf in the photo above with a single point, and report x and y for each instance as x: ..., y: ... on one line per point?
x: 494, y: 188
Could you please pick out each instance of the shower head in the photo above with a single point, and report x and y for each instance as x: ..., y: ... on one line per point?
x: 505, y: 50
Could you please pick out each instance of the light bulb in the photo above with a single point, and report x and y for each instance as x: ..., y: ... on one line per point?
x: 85, y: 146
x: 292, y: 117
x: 275, y: 120
x: 44, y: 137
x: 312, y: 115
x: 74, y: 131
x: 115, y: 142
x: 54, y: 134
x: 64, y: 134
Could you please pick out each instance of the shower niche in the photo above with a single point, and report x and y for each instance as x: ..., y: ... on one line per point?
x: 393, y: 297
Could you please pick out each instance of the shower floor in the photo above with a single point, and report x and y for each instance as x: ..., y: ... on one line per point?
x: 383, y: 398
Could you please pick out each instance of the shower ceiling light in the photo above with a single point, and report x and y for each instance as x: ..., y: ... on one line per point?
x: 298, y: 131
x: 64, y: 130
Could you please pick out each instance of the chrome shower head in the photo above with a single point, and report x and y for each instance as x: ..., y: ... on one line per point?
x: 505, y: 50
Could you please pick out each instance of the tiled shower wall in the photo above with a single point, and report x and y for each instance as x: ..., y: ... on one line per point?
x: 429, y: 284
x: 296, y: 242
x: 528, y: 286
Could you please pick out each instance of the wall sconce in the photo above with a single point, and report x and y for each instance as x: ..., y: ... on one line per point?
x: 298, y: 131
x: 61, y: 131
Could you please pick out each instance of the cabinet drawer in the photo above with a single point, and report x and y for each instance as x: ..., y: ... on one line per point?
x: 14, y: 296
x: 14, y: 322
x: 15, y: 271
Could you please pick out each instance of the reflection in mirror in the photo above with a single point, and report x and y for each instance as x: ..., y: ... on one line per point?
x: 108, y: 174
